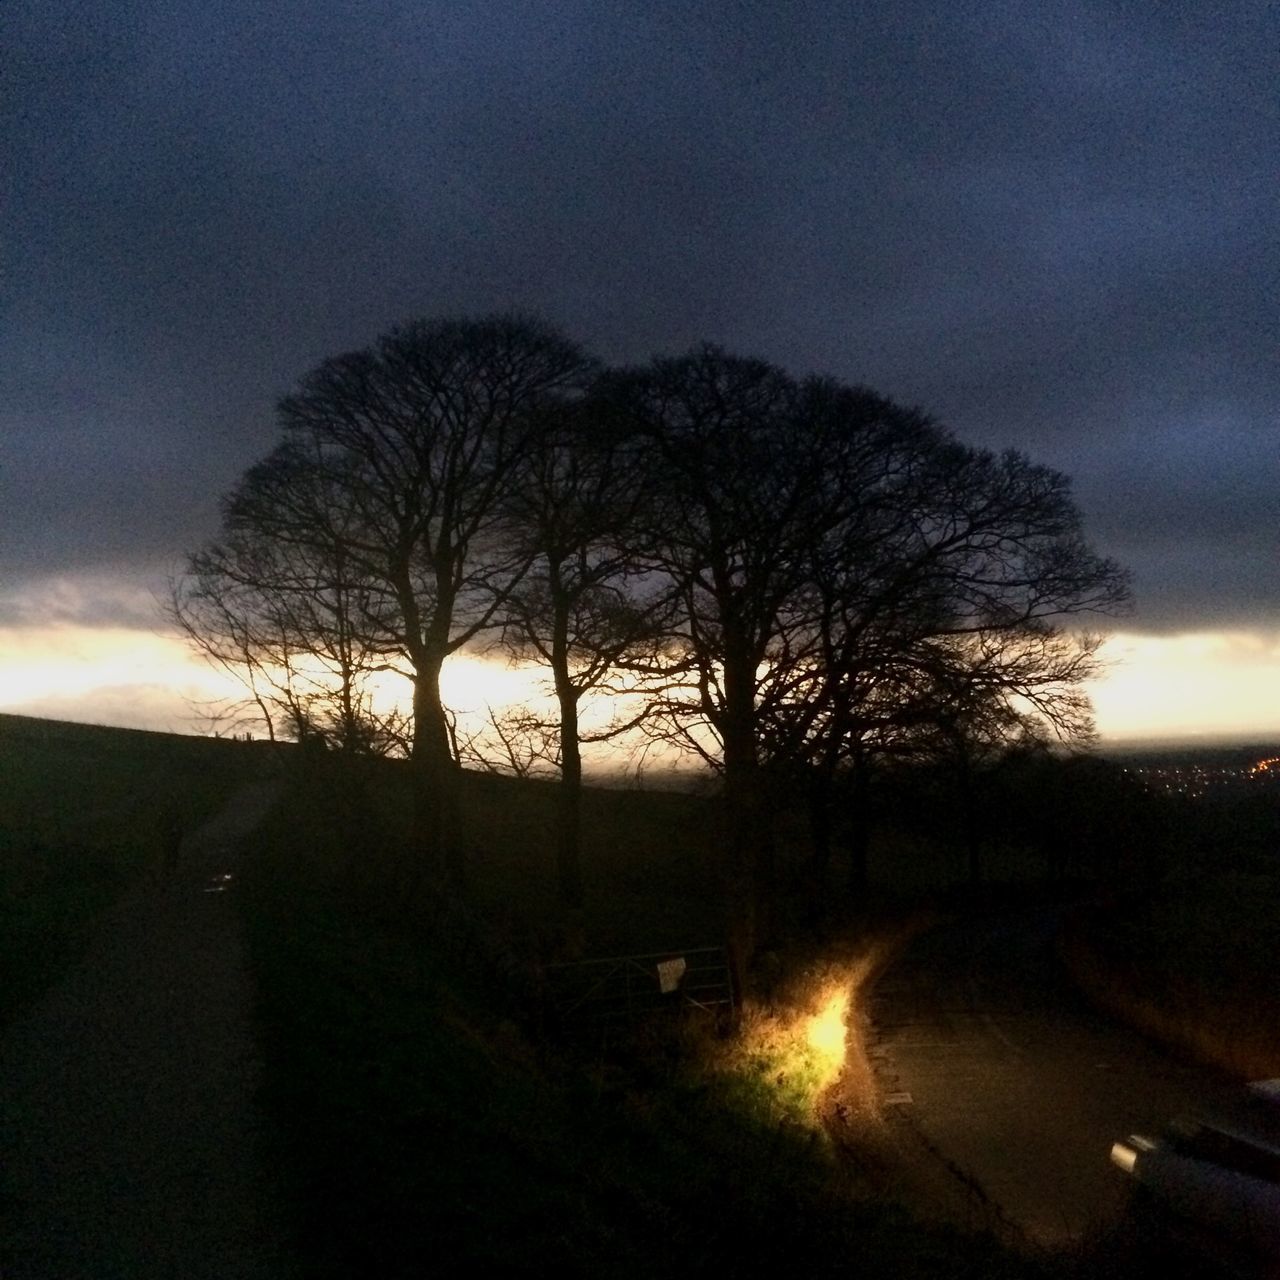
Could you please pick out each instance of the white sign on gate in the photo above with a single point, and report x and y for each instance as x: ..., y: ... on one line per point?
x: 669, y: 974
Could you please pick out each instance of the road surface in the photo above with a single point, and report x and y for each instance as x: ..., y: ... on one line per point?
x: 1009, y: 1079
x: 128, y: 1130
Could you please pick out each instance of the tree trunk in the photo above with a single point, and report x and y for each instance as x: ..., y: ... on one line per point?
x: 859, y: 855
x: 969, y: 815
x: 860, y: 828
x: 569, y: 835
x: 746, y: 819
x: 435, y: 824
x: 820, y: 832
x: 569, y: 846
x: 735, y: 869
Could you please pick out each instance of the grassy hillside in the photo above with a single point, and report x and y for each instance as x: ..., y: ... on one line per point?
x: 82, y: 811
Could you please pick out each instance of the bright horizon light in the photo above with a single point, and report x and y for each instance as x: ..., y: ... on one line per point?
x: 1205, y: 684
x: 1200, y: 685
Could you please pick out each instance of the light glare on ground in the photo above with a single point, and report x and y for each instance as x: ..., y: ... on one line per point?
x: 826, y: 1030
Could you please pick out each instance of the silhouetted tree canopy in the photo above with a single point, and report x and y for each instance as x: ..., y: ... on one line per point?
x: 800, y: 574
x: 403, y: 456
x: 848, y: 576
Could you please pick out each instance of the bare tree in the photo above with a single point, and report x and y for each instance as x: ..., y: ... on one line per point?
x: 958, y: 594
x: 585, y: 608
x: 284, y: 614
x: 515, y: 741
x: 409, y: 448
x: 839, y: 561
x: 729, y: 524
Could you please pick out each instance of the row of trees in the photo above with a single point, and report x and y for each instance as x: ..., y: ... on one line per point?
x: 792, y: 576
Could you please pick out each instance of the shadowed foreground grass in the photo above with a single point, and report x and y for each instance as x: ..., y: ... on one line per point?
x: 426, y: 1125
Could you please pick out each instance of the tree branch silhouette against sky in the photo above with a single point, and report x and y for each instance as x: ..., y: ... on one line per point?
x: 1053, y: 227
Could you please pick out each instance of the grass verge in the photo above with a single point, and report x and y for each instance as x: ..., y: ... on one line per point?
x: 1193, y: 966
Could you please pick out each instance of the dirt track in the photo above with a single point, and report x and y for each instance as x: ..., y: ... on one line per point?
x: 127, y: 1126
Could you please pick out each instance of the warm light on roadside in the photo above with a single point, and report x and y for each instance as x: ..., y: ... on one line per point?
x: 826, y: 1029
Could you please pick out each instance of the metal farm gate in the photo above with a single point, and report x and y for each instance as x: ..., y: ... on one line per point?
x: 592, y: 995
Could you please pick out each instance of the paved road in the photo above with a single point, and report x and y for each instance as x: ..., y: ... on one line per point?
x: 128, y: 1135
x: 1015, y: 1082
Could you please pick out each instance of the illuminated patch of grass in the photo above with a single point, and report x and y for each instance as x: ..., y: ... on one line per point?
x: 784, y: 1059
x: 798, y: 1056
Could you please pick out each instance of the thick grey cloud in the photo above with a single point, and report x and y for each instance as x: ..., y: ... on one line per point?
x: 1053, y: 226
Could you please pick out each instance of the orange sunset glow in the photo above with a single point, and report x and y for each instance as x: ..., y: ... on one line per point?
x: 1199, y: 685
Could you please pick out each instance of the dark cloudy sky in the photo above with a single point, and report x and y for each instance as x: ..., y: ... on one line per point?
x: 1052, y: 225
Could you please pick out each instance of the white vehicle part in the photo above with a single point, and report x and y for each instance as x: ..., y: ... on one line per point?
x: 1245, y: 1209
